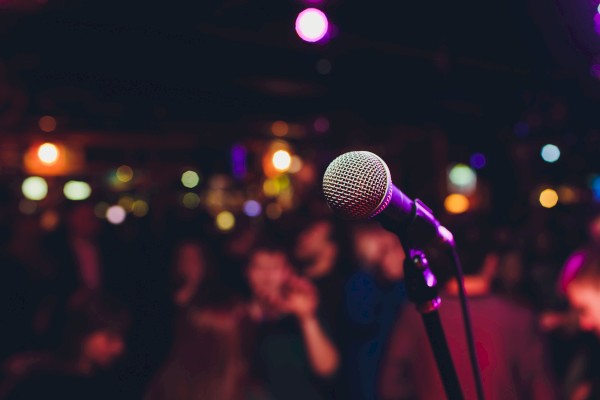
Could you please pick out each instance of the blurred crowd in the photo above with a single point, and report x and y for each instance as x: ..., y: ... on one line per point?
x: 305, y: 307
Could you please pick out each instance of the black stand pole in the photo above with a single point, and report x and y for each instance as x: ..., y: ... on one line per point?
x: 421, y: 287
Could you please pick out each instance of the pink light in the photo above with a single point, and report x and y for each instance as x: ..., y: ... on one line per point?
x: 311, y: 25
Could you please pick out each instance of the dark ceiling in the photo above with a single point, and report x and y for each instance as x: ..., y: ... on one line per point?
x: 159, y: 67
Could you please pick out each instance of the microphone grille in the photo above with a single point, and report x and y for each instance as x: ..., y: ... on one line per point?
x: 357, y: 185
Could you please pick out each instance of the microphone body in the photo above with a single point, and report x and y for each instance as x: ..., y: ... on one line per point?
x: 358, y: 185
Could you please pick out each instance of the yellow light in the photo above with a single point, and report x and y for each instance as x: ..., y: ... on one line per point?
x: 191, y: 200
x: 225, y: 221
x: 271, y: 187
x: 77, y: 190
x: 48, y: 153
x: 273, y: 211
x: 126, y: 202
x: 456, y: 203
x: 190, y: 179
x: 548, y: 198
x: 282, y: 160
x: 124, y: 173
x: 280, y: 128
x: 47, y: 123
x: 34, y: 188
x: 140, y: 208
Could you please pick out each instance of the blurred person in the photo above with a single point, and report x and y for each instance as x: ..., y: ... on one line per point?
x: 82, y: 259
x: 579, y: 281
x: 93, y: 340
x: 373, y: 296
x: 206, y: 359
x: 510, y: 349
x: 295, y: 357
x: 322, y: 252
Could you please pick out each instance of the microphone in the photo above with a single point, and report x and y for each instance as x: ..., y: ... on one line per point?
x: 358, y: 185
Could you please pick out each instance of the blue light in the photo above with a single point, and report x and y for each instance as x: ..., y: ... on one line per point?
x: 478, y: 161
x: 238, y: 161
x: 595, y: 185
x: 550, y: 153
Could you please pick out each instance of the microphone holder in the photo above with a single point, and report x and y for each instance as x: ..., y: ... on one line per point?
x: 421, y: 287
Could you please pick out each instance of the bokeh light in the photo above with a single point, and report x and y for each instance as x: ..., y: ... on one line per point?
x: 47, y: 123
x: 225, y: 221
x: 116, y: 214
x: 77, y: 190
x: 49, y: 220
x: 478, y: 161
x: 271, y: 187
x: 273, y: 211
x: 127, y: 203
x: 34, y: 188
x: 140, y: 208
x: 191, y: 200
x: 550, y: 153
x: 456, y: 203
x: 321, y: 124
x: 124, y: 173
x: 48, y: 153
x: 282, y: 160
x: 311, y: 25
x: 252, y: 208
x: 548, y: 198
x: 27, y: 207
x: 190, y: 179
x: 280, y: 128
x: 295, y: 165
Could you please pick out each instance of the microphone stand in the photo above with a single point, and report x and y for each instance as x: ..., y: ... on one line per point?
x: 421, y: 287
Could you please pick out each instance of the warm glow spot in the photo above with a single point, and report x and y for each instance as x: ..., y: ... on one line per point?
x: 548, y: 198
x: 47, y: 123
x: 49, y: 220
x: 273, y: 211
x: 124, y: 173
x: 456, y: 203
x: 225, y: 221
x: 280, y: 128
x: 27, y: 206
x: 282, y: 160
x: 48, y: 153
x: 140, y: 208
x: 191, y: 200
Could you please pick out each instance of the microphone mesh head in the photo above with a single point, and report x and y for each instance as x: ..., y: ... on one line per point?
x: 357, y: 185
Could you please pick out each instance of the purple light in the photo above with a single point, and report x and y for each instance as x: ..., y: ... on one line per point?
x: 252, y: 208
x: 478, y: 161
x: 595, y: 70
x: 521, y: 129
x: 311, y: 25
x: 238, y: 161
x: 321, y: 124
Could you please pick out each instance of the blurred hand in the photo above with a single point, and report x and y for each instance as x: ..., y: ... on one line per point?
x: 300, y: 298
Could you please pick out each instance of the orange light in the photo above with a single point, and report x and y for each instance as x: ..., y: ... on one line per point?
x: 47, y: 123
x: 456, y: 203
x: 53, y: 159
x: 279, y: 128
